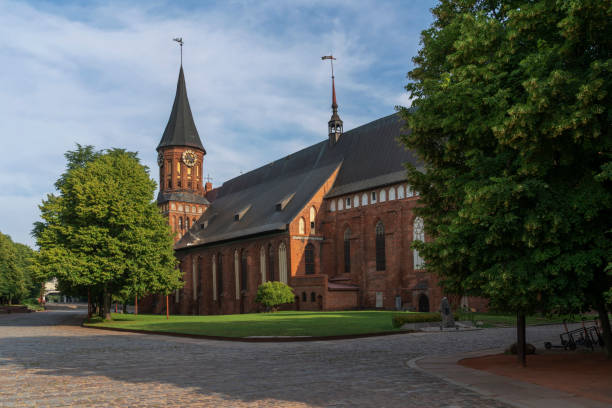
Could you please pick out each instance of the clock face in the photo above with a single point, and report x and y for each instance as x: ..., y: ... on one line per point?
x: 189, y: 158
x: 160, y: 159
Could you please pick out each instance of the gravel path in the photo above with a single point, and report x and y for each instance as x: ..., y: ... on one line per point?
x: 46, y: 359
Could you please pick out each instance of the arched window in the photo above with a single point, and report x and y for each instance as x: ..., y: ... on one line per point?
x: 313, y: 213
x: 383, y: 196
x: 418, y: 234
x: 237, y: 273
x: 347, y: 250
x: 214, y: 277
x: 373, y: 197
x: 303, y: 296
x: 180, y: 225
x: 271, y: 263
x: 332, y: 205
x: 340, y: 205
x: 356, y: 201
x: 380, y: 247
x: 392, y: 193
x: 194, y: 278
x: 282, y: 263
x: 244, y: 276
x: 347, y: 202
x: 219, y: 275
x: 364, y: 199
x: 309, y: 259
x: 400, y: 192
x: 262, y: 263
x: 313, y: 297
x: 409, y: 192
x: 301, y: 226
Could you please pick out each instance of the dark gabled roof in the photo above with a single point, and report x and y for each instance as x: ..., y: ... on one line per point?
x: 181, y: 129
x: 181, y: 196
x: 374, y: 156
x: 368, y: 156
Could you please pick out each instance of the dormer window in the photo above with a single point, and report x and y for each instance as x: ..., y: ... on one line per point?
x: 240, y: 214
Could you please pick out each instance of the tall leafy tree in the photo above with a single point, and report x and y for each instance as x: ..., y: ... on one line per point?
x: 13, y: 286
x: 512, y: 122
x: 102, y: 231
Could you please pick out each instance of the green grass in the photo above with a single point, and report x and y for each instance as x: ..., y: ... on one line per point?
x: 261, y: 324
x: 317, y: 324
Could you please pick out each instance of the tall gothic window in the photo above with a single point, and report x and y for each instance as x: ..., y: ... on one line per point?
x: 312, y: 220
x: 301, y: 227
x: 270, y: 262
x: 380, y: 247
x: 219, y: 275
x: 309, y: 259
x: 214, y: 277
x: 282, y: 263
x: 418, y: 234
x: 262, y: 263
x: 237, y: 273
x: 347, y: 250
x: 180, y: 225
x: 244, y: 276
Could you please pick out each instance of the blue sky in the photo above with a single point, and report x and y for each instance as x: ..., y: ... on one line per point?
x: 104, y: 73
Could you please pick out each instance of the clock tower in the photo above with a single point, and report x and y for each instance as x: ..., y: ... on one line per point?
x: 180, y: 156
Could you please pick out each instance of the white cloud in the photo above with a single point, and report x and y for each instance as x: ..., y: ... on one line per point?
x: 106, y: 75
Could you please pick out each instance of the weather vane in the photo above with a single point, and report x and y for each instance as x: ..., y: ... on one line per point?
x: 208, y: 178
x: 331, y: 60
x: 180, y: 41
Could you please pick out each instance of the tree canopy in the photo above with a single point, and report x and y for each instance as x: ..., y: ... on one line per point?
x: 18, y: 281
x: 102, y: 231
x: 511, y: 118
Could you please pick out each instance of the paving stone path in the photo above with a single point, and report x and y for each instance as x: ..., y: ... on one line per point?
x: 46, y: 359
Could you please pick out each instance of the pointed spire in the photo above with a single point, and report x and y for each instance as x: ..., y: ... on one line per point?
x: 335, y: 123
x: 181, y: 129
x: 334, y: 103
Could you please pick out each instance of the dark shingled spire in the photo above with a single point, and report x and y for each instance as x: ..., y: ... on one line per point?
x: 181, y: 129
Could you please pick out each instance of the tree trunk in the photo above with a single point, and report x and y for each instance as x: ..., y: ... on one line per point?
x: 88, y: 303
x: 124, y: 308
x: 107, y: 305
x: 136, y: 305
x: 605, y: 324
x: 520, y: 339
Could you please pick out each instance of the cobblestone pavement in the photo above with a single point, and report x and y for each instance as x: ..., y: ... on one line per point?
x: 46, y: 359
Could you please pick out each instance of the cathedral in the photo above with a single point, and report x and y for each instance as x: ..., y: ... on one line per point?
x: 334, y: 221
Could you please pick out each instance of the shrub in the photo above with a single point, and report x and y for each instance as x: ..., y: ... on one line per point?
x: 273, y: 294
x: 400, y: 319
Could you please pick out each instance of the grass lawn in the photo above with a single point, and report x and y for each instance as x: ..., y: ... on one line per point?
x: 316, y: 324
x: 261, y: 324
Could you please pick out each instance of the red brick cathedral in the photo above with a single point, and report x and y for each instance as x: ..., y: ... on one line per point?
x: 334, y: 221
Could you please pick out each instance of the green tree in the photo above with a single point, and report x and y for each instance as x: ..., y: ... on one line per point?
x: 13, y: 286
x: 102, y: 231
x: 511, y: 119
x: 274, y: 294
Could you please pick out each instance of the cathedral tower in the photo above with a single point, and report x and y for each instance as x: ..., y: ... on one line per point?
x: 180, y: 156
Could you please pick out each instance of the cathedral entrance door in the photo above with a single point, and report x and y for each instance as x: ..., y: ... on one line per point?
x: 423, y: 303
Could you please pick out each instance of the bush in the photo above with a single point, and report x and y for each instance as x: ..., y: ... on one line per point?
x: 273, y: 294
x: 400, y: 319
